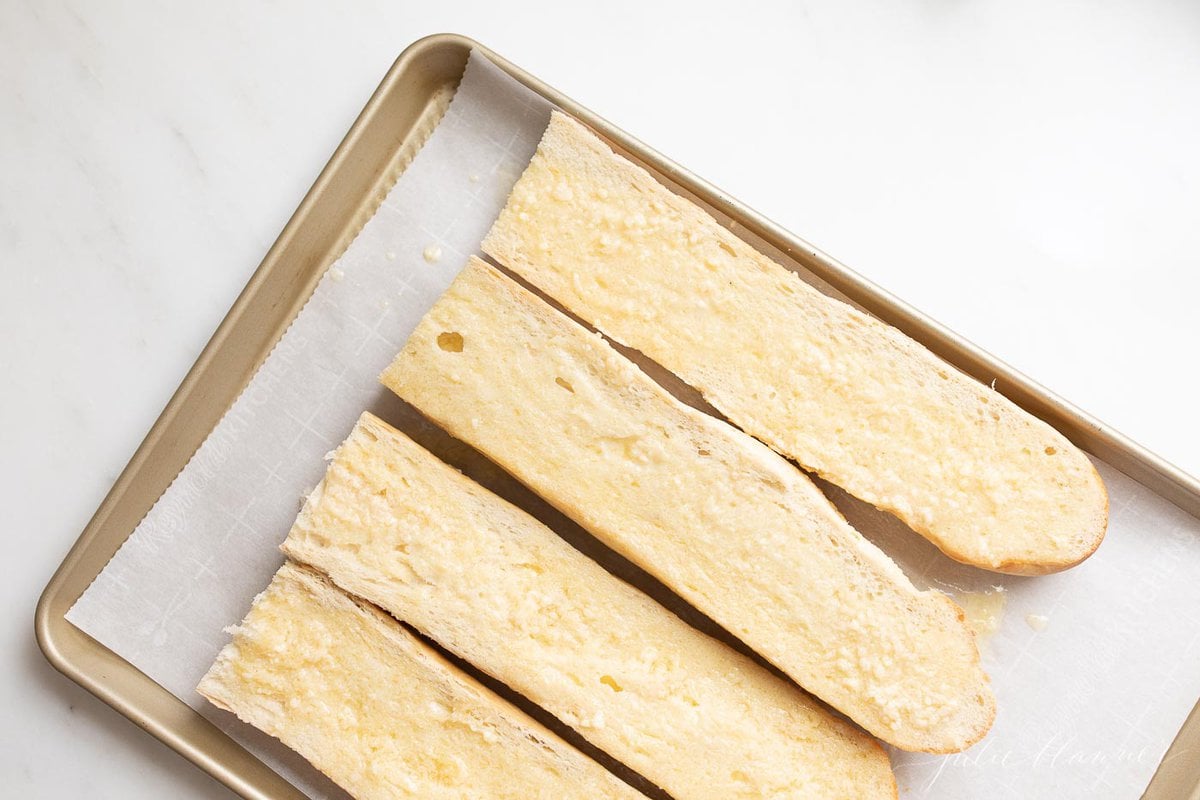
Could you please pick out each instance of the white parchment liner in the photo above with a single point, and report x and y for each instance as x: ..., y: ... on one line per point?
x: 1094, y: 669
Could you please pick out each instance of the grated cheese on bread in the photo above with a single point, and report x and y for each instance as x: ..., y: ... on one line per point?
x: 718, y: 517
x: 848, y: 397
x: 381, y: 713
x: 393, y: 524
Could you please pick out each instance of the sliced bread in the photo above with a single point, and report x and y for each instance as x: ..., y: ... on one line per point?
x: 845, y: 395
x: 395, y: 525
x: 718, y: 517
x: 381, y: 713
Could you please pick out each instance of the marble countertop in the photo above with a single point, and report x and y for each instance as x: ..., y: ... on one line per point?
x: 1027, y: 173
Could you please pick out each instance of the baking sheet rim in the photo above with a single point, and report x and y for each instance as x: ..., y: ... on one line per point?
x: 1114, y: 448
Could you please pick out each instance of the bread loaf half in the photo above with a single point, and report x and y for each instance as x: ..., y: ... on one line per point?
x: 718, y: 517
x: 847, y: 396
x: 396, y: 526
x: 378, y: 711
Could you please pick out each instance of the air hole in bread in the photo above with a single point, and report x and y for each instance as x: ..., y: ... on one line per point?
x: 565, y: 384
x: 704, y: 452
x: 450, y: 341
x: 1051, y: 451
x: 727, y: 248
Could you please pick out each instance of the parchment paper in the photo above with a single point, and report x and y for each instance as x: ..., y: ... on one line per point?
x: 1094, y: 669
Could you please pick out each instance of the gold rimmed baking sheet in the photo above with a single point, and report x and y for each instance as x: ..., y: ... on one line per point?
x: 390, y: 129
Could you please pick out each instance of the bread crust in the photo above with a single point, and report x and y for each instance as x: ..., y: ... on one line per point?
x: 409, y: 725
x: 848, y: 397
x: 392, y: 523
x: 718, y: 517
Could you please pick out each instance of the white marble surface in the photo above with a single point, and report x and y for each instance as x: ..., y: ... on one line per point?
x: 1027, y: 172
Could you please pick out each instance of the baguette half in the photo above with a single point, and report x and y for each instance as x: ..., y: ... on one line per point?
x: 715, y: 515
x: 847, y: 396
x: 381, y: 713
x: 395, y: 525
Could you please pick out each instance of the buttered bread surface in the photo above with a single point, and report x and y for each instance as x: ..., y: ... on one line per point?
x: 848, y: 397
x: 719, y: 518
x: 382, y: 714
x: 393, y: 524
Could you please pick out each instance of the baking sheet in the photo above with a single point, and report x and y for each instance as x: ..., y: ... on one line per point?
x: 1087, y: 705
x: 210, y: 544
